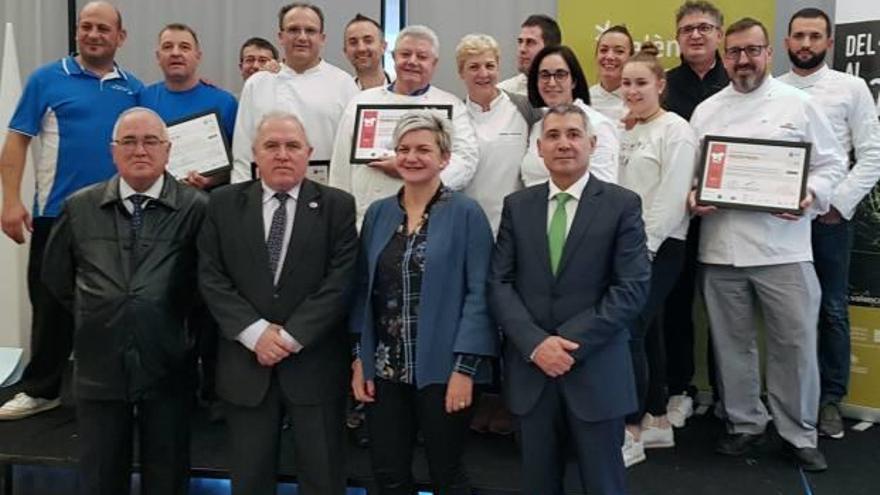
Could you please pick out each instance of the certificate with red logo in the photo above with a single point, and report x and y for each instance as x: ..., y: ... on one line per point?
x: 198, y: 145
x: 753, y: 174
x: 374, y: 129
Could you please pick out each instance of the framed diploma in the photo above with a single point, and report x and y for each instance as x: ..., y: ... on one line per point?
x: 753, y: 174
x: 198, y: 144
x: 374, y: 129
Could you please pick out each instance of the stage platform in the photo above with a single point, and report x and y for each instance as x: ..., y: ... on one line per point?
x: 49, y: 440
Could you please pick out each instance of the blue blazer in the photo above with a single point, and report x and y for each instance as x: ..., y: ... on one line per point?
x: 453, y: 313
x: 599, y: 290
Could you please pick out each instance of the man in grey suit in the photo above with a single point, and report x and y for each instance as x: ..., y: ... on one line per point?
x: 570, y: 273
x: 276, y: 268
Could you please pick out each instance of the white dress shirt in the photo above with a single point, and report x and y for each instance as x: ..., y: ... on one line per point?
x: 777, y: 111
x: 849, y: 106
x: 608, y: 103
x: 576, y: 191
x: 250, y: 335
x: 368, y: 184
x: 603, y: 162
x: 152, y: 192
x: 657, y: 162
x: 502, y: 136
x: 518, y: 84
x: 317, y: 96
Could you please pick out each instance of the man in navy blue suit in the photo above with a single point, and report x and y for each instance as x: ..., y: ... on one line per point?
x: 570, y: 273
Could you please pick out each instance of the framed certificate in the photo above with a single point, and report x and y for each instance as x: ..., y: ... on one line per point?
x: 753, y: 174
x: 374, y: 129
x: 198, y: 144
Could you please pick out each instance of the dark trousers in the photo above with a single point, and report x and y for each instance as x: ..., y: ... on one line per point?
x: 206, y: 332
x: 318, y: 432
x: 51, y: 326
x: 831, y: 254
x: 646, y: 341
x: 678, y: 323
x: 106, y: 430
x: 399, y: 412
x: 550, y: 430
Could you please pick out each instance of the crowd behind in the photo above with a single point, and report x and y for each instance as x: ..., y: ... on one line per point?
x: 543, y: 240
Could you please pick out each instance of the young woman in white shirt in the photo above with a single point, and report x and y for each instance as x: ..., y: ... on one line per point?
x: 613, y: 49
x: 658, y: 156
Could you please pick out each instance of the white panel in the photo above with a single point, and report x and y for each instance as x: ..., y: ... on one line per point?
x: 857, y: 10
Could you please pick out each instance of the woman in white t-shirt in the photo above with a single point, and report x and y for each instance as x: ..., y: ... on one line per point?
x: 613, y: 49
x: 658, y: 156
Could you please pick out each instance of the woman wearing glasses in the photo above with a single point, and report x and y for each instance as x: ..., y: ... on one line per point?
x: 614, y: 48
x: 422, y: 316
x: 658, y: 156
x: 556, y: 78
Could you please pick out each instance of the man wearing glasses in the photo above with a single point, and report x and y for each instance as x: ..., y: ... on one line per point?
x: 753, y: 259
x: 122, y: 257
x: 307, y: 86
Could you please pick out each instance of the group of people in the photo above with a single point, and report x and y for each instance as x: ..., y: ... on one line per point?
x: 548, y: 228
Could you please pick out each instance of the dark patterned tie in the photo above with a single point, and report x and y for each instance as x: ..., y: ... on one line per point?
x: 137, y: 212
x: 276, y: 232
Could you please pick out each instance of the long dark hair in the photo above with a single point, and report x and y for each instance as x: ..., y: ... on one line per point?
x: 581, y: 88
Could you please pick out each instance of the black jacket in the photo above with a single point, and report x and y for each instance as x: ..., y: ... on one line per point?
x: 131, y: 338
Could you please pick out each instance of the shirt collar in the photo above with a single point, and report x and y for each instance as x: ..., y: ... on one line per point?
x: 285, y: 69
x: 757, y: 92
x: 418, y: 92
x: 576, y: 190
x: 153, y: 192
x: 358, y: 81
x: 71, y: 67
x: 809, y: 80
x: 477, y: 108
x: 269, y: 193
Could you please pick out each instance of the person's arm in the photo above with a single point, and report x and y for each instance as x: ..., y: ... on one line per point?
x: 604, y: 161
x: 324, y: 310
x: 669, y: 205
x: 865, y: 129
x: 340, y: 161
x: 243, y: 134
x: 15, y: 216
x: 828, y: 161
x: 626, y: 294
x: 465, y: 151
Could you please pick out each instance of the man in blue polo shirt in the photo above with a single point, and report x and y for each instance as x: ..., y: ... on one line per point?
x: 71, y: 106
x: 183, y: 94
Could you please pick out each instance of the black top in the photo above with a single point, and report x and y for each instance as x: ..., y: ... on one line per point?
x: 685, y: 90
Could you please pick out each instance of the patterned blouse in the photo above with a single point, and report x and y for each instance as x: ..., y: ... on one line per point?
x: 396, y: 296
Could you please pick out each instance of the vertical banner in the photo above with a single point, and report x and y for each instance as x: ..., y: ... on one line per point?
x: 582, y: 23
x: 856, y: 49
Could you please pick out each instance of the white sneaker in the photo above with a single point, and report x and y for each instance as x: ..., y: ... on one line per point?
x: 633, y: 451
x: 679, y: 409
x: 654, y: 436
x: 23, y: 405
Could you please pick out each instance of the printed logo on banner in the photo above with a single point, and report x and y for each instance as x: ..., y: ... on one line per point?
x: 368, y: 134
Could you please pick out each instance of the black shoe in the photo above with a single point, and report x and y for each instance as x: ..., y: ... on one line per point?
x: 809, y: 459
x: 830, y: 421
x: 737, y: 444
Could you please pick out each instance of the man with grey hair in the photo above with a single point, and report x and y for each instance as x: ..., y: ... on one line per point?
x: 415, y: 60
x: 306, y: 85
x: 750, y: 259
x: 570, y: 273
x: 122, y: 257
x: 276, y: 268
x: 69, y: 105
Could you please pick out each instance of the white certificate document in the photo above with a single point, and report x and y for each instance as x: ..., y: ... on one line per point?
x: 198, y: 144
x: 374, y: 129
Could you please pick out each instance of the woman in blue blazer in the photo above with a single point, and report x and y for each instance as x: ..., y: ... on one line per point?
x: 425, y: 335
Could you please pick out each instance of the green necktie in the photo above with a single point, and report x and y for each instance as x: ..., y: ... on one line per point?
x: 556, y: 235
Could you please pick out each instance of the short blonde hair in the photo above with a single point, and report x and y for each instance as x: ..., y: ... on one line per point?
x: 475, y: 44
x: 425, y: 120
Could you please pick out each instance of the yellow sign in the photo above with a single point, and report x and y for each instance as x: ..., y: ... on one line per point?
x: 865, y: 357
x: 582, y: 23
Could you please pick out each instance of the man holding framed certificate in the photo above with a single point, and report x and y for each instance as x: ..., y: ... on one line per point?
x: 759, y: 134
x: 362, y: 161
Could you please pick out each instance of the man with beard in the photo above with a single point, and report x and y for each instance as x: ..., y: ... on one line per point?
x: 70, y: 105
x: 848, y: 103
x: 536, y: 32
x: 364, y: 45
x: 752, y: 259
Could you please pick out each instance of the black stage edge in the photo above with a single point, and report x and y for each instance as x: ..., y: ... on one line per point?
x: 49, y: 439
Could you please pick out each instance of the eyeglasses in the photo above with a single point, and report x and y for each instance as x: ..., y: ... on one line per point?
x: 751, y: 51
x: 150, y: 143
x: 702, y: 28
x: 560, y: 75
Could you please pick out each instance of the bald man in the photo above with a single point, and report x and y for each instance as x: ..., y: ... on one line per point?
x: 70, y: 105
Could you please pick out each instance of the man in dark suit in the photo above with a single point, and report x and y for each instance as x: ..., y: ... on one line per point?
x: 277, y: 262
x: 570, y: 273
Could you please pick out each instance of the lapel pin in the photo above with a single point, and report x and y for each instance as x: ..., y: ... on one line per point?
x: 313, y: 205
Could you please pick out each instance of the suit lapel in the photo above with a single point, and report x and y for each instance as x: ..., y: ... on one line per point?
x: 587, y: 210
x: 536, y: 216
x: 308, y: 211
x: 253, y: 228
